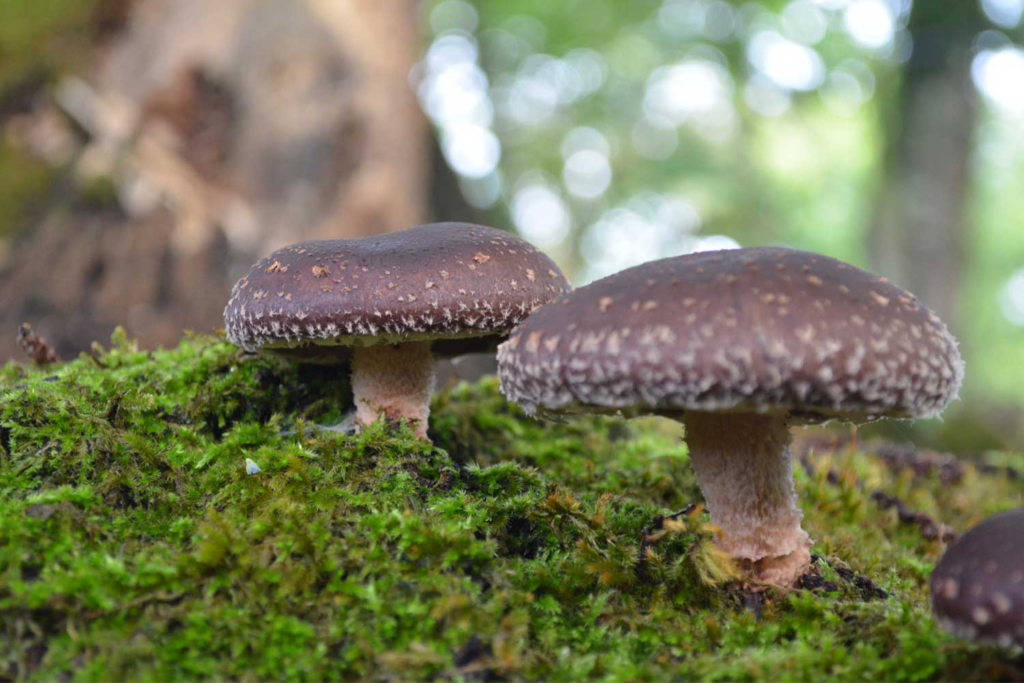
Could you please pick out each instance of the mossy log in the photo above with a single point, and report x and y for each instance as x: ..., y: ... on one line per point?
x: 134, y: 545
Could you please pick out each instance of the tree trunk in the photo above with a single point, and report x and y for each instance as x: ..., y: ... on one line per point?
x: 918, y: 235
x: 225, y: 130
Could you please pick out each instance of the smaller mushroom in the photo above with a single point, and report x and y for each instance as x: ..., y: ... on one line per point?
x: 978, y: 586
x: 388, y: 305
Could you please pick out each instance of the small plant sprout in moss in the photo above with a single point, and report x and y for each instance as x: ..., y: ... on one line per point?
x: 390, y: 304
x: 739, y: 345
x: 978, y: 586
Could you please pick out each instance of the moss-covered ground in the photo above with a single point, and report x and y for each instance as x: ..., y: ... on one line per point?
x: 133, y: 545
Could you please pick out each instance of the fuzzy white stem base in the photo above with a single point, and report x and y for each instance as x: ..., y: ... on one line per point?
x: 745, y: 469
x: 393, y: 380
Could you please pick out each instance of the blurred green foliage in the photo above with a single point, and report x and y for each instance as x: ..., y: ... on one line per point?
x: 24, y: 182
x: 40, y: 38
x: 808, y: 175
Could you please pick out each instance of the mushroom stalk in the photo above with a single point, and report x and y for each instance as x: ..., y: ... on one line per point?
x: 394, y: 381
x: 745, y: 470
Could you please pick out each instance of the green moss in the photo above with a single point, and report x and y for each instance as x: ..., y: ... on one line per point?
x: 98, y: 193
x: 23, y: 183
x: 134, y: 546
x: 40, y: 37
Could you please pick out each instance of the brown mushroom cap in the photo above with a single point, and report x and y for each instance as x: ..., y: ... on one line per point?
x: 450, y: 281
x: 978, y: 586
x: 767, y: 330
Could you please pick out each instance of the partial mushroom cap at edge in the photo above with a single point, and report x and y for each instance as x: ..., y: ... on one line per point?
x: 978, y: 586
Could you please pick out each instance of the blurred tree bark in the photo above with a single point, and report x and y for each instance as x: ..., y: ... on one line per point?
x: 918, y: 236
x: 211, y: 133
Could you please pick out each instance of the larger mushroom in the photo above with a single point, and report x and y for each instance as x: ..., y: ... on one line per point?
x: 389, y: 304
x: 739, y: 345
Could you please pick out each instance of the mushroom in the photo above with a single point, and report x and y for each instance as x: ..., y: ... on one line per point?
x: 389, y: 304
x: 739, y: 345
x: 978, y: 586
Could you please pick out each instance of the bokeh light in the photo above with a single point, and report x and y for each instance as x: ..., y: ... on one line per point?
x: 691, y: 89
x: 540, y: 214
x: 587, y: 173
x: 870, y: 22
x: 999, y: 75
x: 804, y: 22
x: 471, y: 150
x: 1004, y: 13
x: 1011, y: 299
x: 786, y: 63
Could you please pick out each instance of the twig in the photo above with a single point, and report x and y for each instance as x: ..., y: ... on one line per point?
x: 35, y: 346
x: 651, y: 536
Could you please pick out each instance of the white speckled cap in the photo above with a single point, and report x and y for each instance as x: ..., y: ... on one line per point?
x: 765, y: 330
x: 978, y: 586
x: 446, y: 281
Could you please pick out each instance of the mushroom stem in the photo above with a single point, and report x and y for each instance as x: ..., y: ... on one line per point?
x: 744, y: 466
x: 393, y: 381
